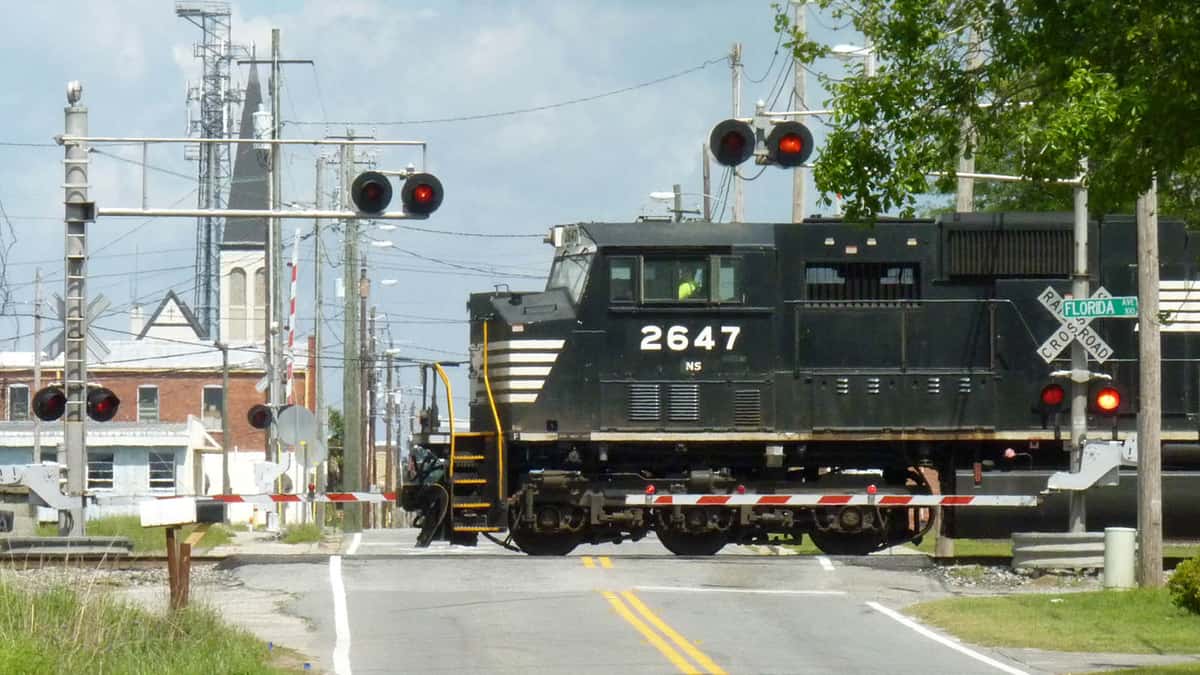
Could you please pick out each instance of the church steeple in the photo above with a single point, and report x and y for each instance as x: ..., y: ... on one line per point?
x: 243, y: 246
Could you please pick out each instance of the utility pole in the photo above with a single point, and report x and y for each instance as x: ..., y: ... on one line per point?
x: 964, y: 201
x: 799, y: 174
x: 79, y: 210
x: 364, y: 290
x: 707, y: 184
x: 389, y: 463
x: 226, y: 439
x: 1077, y: 506
x: 372, y: 391
x: 274, y: 247
x: 37, y: 360
x: 274, y: 257
x: 735, y: 62
x: 318, y: 326
x: 351, y: 359
x: 1149, y: 425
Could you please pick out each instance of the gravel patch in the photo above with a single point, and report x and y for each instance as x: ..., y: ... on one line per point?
x: 991, y: 580
x: 203, y: 575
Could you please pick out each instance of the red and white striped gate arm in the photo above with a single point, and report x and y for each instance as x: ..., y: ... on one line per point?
x: 331, y: 497
x: 290, y: 392
x: 830, y: 500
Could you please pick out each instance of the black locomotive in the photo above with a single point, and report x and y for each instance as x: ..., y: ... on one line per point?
x: 818, y: 358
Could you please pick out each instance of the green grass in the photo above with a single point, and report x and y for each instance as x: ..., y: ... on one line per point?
x: 92, y: 632
x: 1141, y: 621
x: 971, y: 547
x: 302, y: 534
x: 145, y: 539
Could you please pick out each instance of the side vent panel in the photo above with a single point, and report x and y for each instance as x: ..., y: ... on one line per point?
x: 645, y: 403
x: 685, y: 402
x: 747, y: 408
x: 1009, y: 253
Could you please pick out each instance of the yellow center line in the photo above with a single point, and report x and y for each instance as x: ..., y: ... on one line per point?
x: 651, y: 637
x: 605, y: 562
x: 588, y: 562
x: 688, y: 648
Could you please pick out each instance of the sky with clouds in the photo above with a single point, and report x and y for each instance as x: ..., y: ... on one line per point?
x: 382, y: 65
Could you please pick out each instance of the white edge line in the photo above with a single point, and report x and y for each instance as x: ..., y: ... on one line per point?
x: 341, y: 618
x: 757, y: 591
x: 355, y: 542
x: 897, y: 616
x: 826, y: 563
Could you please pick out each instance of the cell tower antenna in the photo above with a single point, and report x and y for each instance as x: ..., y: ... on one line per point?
x: 215, y: 99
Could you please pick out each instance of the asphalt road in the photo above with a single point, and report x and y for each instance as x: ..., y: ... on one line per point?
x: 384, y: 607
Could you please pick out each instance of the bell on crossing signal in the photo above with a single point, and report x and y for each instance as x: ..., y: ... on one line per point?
x: 789, y: 144
x: 259, y: 416
x: 371, y: 192
x: 422, y: 194
x: 102, y: 404
x: 732, y: 142
x: 49, y: 403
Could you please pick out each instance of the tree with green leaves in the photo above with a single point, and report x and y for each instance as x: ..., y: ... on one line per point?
x: 1042, y: 84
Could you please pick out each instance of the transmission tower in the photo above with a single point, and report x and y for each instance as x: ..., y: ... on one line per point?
x: 215, y: 98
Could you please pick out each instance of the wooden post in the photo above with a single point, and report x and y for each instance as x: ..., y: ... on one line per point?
x: 173, y: 567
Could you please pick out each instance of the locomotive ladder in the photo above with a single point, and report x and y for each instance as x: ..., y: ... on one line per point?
x: 476, y: 468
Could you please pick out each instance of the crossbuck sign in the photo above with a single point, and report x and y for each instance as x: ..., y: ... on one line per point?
x: 1073, y: 329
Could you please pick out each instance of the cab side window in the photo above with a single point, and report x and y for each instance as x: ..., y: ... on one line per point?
x: 728, y: 274
x: 620, y: 279
x: 675, y: 279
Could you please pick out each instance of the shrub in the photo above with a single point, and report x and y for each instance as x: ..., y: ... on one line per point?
x: 1185, y: 585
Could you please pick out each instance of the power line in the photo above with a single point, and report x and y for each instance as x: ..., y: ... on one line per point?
x: 521, y: 111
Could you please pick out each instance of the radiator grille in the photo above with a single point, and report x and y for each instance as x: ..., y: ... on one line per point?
x: 685, y: 402
x: 1009, y: 253
x: 645, y: 404
x: 747, y: 408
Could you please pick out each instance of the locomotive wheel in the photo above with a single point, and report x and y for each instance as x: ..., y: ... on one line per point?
x: 688, y: 543
x: 541, y: 543
x: 837, y: 543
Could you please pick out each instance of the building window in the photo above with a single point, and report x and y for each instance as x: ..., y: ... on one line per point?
x: 162, y: 470
x: 210, y: 406
x: 237, y: 304
x: 147, y: 403
x: 100, y: 471
x: 260, y: 302
x: 18, y: 402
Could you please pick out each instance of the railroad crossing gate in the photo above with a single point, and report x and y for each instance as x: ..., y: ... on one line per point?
x: 1075, y: 326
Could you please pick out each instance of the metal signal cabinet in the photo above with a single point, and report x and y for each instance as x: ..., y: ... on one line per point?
x: 722, y: 359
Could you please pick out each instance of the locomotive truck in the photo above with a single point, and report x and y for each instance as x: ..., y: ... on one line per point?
x: 730, y: 382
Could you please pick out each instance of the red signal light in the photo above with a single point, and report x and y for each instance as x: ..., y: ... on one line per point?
x: 1053, y: 395
x: 789, y: 144
x: 371, y: 192
x: 49, y: 403
x: 102, y: 404
x: 422, y: 194
x: 1108, y: 400
x: 732, y: 142
x: 259, y: 416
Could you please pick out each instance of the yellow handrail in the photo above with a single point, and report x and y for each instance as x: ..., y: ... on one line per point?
x: 450, y: 409
x: 487, y: 384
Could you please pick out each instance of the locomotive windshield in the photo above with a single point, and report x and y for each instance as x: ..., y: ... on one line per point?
x: 572, y: 261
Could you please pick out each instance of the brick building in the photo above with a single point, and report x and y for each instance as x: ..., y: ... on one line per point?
x: 166, y: 437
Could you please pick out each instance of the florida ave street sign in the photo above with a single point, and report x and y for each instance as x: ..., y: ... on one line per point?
x: 1125, y: 307
x: 1072, y: 329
